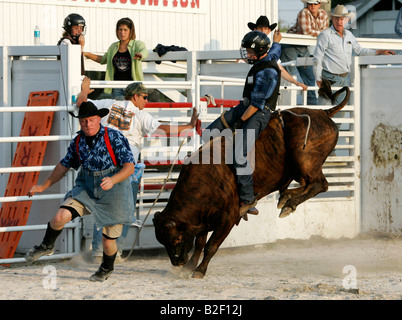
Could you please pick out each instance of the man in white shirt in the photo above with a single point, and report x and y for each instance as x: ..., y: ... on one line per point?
x: 129, y: 117
x: 333, y: 54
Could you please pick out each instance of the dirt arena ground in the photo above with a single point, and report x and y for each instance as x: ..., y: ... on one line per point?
x: 368, y: 267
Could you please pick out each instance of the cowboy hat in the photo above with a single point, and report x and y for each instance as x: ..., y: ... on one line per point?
x: 341, y: 12
x: 263, y: 22
x: 88, y: 109
x: 314, y: 1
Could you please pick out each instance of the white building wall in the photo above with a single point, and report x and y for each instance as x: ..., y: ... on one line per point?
x: 210, y: 25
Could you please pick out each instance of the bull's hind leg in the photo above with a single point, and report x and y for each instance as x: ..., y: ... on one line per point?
x: 287, y: 194
x: 302, y: 194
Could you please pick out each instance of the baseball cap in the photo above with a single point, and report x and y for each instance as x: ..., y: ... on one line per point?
x: 135, y: 88
x: 315, y: 1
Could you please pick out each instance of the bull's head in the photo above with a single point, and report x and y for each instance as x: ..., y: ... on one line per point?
x: 175, y: 236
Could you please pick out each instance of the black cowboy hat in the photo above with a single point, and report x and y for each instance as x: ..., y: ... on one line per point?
x: 262, y: 21
x: 88, y: 109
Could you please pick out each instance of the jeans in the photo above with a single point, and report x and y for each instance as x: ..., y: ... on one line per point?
x: 290, y: 53
x: 244, y: 141
x: 244, y: 156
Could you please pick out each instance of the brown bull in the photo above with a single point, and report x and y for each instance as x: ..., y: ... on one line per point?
x: 205, y: 197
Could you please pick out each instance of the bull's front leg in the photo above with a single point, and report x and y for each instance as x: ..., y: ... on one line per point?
x: 210, y: 249
x: 200, y: 241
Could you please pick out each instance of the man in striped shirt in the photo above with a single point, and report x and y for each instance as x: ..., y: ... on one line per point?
x: 310, y: 21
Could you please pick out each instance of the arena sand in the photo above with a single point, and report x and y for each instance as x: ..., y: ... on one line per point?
x: 365, y: 268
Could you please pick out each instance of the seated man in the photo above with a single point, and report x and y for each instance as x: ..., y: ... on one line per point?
x: 262, y: 24
x: 310, y: 21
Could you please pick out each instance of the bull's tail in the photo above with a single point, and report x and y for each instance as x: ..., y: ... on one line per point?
x: 326, y: 92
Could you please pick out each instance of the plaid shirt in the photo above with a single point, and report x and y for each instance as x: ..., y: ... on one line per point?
x: 309, y: 25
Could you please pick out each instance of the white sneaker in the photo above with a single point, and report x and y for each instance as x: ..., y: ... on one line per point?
x: 136, y: 223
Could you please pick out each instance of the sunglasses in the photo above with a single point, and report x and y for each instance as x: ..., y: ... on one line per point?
x: 144, y: 97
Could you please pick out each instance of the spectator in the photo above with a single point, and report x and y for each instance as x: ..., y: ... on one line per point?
x: 74, y: 32
x: 310, y: 21
x: 333, y: 54
x: 262, y: 24
x: 123, y: 57
x: 398, y: 23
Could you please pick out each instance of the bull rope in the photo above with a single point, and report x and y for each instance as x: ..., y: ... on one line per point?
x: 302, y: 116
x: 157, y: 198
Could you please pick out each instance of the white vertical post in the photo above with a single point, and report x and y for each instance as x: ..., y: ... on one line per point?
x: 357, y: 143
x: 5, y: 118
x: 192, y: 71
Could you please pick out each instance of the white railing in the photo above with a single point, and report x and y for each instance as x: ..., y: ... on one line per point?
x: 340, y: 169
x: 72, y: 246
x: 338, y: 181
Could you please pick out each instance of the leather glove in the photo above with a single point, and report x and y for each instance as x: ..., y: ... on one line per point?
x: 237, y: 125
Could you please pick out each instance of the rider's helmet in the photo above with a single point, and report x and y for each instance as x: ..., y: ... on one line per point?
x: 256, y: 40
x: 74, y: 19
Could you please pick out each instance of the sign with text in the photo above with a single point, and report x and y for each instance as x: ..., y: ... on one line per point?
x: 193, y: 6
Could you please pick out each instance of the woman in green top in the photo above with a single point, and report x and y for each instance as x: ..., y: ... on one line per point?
x: 123, y: 58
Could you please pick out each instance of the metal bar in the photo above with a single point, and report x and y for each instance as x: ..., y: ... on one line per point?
x: 44, y: 258
x: 26, y: 169
x: 37, y: 109
x: 26, y: 198
x: 69, y: 225
x: 221, y: 79
x: 74, y: 241
x: 148, y: 84
x: 36, y: 138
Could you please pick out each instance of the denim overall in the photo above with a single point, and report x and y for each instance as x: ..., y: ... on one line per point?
x: 134, y: 180
x: 109, y: 207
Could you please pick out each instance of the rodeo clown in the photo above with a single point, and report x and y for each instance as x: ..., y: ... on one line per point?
x: 251, y: 115
x: 101, y: 187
